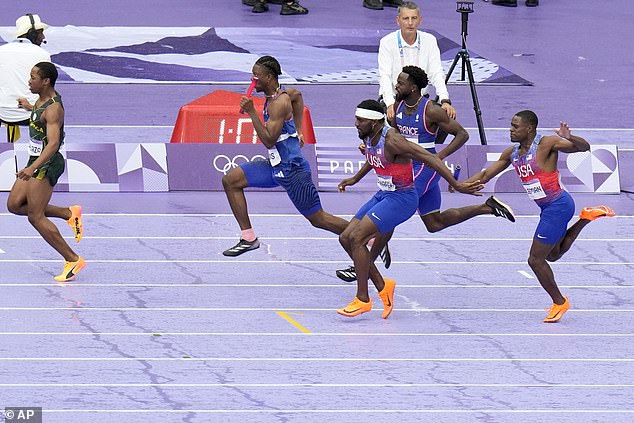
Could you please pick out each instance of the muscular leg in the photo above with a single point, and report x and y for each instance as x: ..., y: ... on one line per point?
x: 437, y: 221
x: 323, y: 220
x: 17, y: 203
x: 380, y: 241
x: 37, y: 197
x: 354, y: 239
x: 234, y: 184
x: 537, y: 262
x: 566, y: 242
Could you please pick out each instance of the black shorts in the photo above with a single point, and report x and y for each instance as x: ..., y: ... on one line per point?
x: 52, y: 169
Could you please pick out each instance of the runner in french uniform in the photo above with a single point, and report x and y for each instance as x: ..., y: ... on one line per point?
x: 418, y: 119
x: 390, y: 155
x: 534, y: 159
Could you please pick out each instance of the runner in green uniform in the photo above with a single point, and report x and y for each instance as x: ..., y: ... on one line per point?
x: 33, y: 187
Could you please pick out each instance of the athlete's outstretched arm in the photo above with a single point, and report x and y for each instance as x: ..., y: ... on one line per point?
x: 567, y: 142
x: 365, y: 169
x: 397, y: 145
x: 485, y: 175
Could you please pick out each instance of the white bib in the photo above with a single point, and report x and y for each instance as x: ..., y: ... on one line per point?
x: 385, y: 183
x: 534, y: 190
x: 35, y: 147
x: 274, y: 156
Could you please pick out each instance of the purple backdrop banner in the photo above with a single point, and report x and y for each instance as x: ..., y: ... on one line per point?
x: 144, y: 167
x: 98, y: 167
x: 195, y: 167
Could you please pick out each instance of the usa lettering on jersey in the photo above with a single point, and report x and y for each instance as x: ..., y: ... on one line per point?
x: 525, y: 171
x: 375, y: 161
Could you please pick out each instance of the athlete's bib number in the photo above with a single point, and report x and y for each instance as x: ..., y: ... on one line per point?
x: 274, y: 156
x: 385, y: 183
x: 534, y: 190
x: 35, y: 147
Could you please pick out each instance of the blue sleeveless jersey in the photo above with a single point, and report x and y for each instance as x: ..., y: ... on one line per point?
x: 413, y: 128
x: 287, y: 143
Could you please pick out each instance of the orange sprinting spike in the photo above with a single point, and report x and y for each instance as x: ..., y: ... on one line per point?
x: 71, y: 268
x: 592, y: 213
x: 557, y: 311
x: 355, y: 308
x: 387, y: 296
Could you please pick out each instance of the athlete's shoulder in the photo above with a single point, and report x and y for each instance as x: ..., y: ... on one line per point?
x: 508, y: 152
x: 432, y: 107
x: 546, y: 141
x: 393, y: 135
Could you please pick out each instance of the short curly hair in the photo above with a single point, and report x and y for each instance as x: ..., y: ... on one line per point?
x: 417, y: 76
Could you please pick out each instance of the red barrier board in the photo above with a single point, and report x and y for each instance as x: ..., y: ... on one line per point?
x: 216, y: 118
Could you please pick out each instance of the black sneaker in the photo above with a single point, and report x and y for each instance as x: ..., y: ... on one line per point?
x: 386, y: 256
x: 260, y: 6
x: 293, y: 8
x: 532, y: 3
x: 392, y: 3
x: 242, y: 247
x: 373, y: 4
x: 347, y: 275
x: 249, y: 2
x: 500, y: 209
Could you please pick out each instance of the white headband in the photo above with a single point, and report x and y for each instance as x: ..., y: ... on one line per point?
x: 368, y: 114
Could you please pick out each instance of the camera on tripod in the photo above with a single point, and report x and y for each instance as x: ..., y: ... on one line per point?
x: 466, y: 71
x: 464, y: 6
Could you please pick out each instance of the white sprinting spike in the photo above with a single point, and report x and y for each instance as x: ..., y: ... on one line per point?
x: 526, y: 274
x: 2, y: 251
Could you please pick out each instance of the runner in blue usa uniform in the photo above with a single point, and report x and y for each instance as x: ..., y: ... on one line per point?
x: 534, y: 158
x: 285, y: 166
x: 390, y: 155
x: 418, y: 119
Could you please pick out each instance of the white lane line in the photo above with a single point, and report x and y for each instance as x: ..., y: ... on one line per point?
x: 290, y: 285
x: 347, y: 411
x: 315, y: 385
x: 322, y: 334
x: 241, y: 262
x: 308, y: 238
x: 525, y: 274
x: 325, y: 359
x: 243, y: 309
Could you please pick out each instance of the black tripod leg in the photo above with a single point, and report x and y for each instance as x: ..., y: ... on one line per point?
x: 476, y: 103
x: 441, y: 135
x: 453, y: 66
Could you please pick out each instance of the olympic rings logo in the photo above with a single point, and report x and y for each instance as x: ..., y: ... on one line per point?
x: 224, y: 163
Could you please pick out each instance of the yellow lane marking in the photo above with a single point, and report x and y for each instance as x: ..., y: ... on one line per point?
x: 284, y: 315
